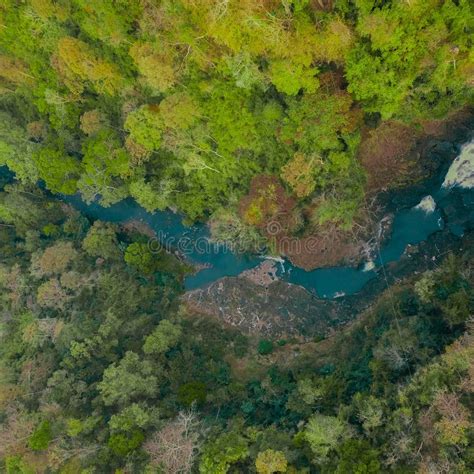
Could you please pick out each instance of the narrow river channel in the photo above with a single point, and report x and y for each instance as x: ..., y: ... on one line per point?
x: 442, y: 196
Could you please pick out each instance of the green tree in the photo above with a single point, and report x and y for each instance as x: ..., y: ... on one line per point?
x: 23, y: 209
x: 357, y: 457
x: 192, y: 392
x: 41, y: 437
x: 231, y: 132
x: 323, y: 434
x: 290, y: 78
x: 163, y: 338
x: 458, y: 307
x: 156, y: 64
x: 270, y: 461
x: 128, y: 380
x: 223, y: 451
x: 109, y: 23
x: 139, y: 256
x: 123, y: 444
x: 59, y: 171
x: 179, y: 111
x: 17, y: 465
x: 152, y: 195
x: 387, y: 70
x: 145, y: 125
x: 134, y: 416
x: 105, y: 166
x: 101, y: 241
x: 16, y: 150
x: 265, y: 347
x: 78, y: 65
x: 369, y: 411
x: 318, y: 122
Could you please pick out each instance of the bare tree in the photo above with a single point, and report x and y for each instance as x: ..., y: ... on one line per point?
x: 176, y: 445
x: 15, y: 431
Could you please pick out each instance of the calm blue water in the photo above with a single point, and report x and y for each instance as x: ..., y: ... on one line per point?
x: 410, y: 226
x: 190, y: 241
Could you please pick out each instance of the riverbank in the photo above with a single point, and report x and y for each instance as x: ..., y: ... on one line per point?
x: 412, y: 226
x: 281, y: 310
x: 401, y: 163
x: 257, y: 302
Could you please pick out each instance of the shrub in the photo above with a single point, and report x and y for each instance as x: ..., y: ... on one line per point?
x: 265, y: 347
x: 41, y: 437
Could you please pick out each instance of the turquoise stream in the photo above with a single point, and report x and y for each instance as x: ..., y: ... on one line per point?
x: 411, y: 225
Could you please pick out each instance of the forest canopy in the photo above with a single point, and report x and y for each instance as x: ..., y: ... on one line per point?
x: 182, y: 103
x: 104, y: 370
x: 253, y: 115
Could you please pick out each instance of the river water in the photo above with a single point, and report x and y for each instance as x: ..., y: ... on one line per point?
x: 451, y: 205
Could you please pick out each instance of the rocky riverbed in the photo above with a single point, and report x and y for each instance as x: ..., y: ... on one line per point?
x: 283, y: 310
x: 258, y: 303
x: 279, y: 311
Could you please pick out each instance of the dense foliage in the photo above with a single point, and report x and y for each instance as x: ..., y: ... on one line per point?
x: 181, y: 103
x: 103, y: 370
x: 247, y: 113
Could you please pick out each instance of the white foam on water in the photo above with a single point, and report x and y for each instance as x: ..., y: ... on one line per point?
x: 427, y: 204
x: 370, y: 265
x: 270, y: 257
